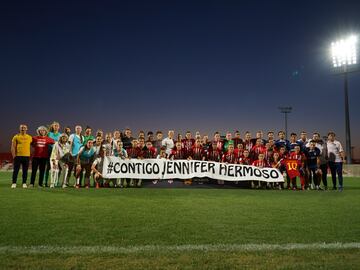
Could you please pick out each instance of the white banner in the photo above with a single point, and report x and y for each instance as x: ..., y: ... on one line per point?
x: 115, y: 167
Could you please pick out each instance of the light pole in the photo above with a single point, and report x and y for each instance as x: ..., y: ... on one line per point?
x: 344, y: 56
x: 285, y: 111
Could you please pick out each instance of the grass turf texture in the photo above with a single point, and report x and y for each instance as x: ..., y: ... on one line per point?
x: 171, y: 217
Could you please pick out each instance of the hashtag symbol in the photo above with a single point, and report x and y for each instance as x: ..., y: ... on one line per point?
x: 110, y: 167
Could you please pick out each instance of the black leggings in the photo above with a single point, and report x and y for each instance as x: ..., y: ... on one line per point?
x: 313, y: 177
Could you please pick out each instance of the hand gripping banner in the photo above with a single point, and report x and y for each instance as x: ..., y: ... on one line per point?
x: 115, y: 167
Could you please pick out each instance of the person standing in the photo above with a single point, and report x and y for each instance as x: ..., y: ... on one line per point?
x: 20, y: 151
x: 281, y: 141
x: 67, y: 131
x: 248, y: 142
x: 127, y: 139
x: 41, y: 154
x: 55, y: 135
x: 303, y: 141
x: 228, y: 140
x: 168, y: 142
x: 76, y: 142
x: 336, y: 156
x: 88, y: 135
x: 324, y: 162
x: 158, y: 142
x: 218, y: 141
x: 313, y: 165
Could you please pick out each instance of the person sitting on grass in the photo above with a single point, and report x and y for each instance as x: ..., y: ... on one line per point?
x: 229, y: 158
x: 260, y: 163
x: 178, y: 153
x: 245, y: 159
x: 197, y: 153
x: 300, y: 158
x: 276, y: 163
x: 133, y: 153
x: 151, y: 151
x: 162, y: 155
x: 120, y: 152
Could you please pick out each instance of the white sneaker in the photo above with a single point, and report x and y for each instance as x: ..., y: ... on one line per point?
x: 24, y: 185
x: 13, y: 185
x: 52, y: 186
x: 64, y: 186
x: 31, y: 186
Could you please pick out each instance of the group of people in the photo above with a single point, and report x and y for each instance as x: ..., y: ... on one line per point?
x: 59, y: 155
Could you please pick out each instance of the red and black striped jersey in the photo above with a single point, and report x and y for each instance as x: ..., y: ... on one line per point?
x: 219, y: 145
x: 260, y: 163
x: 238, y: 152
x: 197, y: 153
x: 178, y: 154
x: 237, y: 141
x: 133, y: 152
x: 214, y: 155
x: 300, y: 157
x: 150, y: 152
x: 187, y: 144
x: 248, y: 145
x: 256, y: 150
x: 245, y: 161
x: 229, y: 158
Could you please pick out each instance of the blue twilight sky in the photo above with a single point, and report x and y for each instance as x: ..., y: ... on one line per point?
x: 198, y: 65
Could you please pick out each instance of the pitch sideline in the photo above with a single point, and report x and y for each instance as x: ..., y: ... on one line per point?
x: 155, y: 248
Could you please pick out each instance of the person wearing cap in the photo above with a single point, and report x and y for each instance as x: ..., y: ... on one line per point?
x: 60, y: 156
x: 40, y: 144
x: 20, y: 150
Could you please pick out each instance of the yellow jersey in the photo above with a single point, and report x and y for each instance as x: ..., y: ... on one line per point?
x: 22, y: 145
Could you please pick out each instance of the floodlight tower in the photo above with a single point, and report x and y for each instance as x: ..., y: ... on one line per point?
x: 285, y: 111
x: 344, y: 56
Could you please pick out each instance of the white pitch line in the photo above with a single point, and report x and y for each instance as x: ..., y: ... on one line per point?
x: 162, y: 248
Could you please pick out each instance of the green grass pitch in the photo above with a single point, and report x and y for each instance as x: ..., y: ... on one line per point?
x: 178, y: 228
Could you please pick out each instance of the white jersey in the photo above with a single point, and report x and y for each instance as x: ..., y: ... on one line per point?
x: 169, y: 144
x: 59, y: 150
x: 99, y: 163
x: 334, y: 149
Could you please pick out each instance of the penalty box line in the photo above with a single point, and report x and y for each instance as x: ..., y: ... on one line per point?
x: 162, y: 248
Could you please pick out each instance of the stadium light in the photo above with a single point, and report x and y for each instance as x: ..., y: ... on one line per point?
x: 344, y: 55
x: 285, y: 111
x: 344, y: 52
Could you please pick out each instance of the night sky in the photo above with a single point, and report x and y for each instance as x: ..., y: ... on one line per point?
x: 198, y: 65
